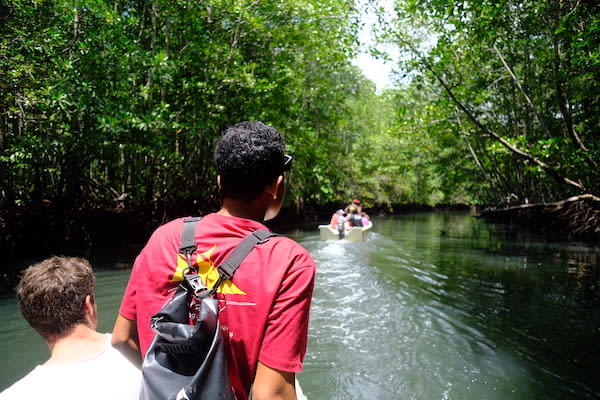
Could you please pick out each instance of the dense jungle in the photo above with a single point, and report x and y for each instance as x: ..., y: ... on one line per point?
x: 109, y: 110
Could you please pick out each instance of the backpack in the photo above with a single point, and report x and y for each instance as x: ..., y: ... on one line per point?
x: 186, y: 359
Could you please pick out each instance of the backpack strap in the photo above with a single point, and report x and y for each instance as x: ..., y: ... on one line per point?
x: 237, y: 256
x: 188, y: 238
x: 228, y: 268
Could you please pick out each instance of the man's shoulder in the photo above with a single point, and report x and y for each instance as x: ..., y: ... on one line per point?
x: 116, y: 370
x: 283, y: 241
x: 23, y: 387
x: 109, y: 373
x: 286, y: 248
x: 170, y: 231
x: 173, y: 225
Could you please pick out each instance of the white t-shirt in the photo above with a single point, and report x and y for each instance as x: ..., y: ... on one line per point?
x: 106, y: 375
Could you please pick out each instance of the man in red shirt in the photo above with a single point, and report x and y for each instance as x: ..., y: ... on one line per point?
x: 264, y: 310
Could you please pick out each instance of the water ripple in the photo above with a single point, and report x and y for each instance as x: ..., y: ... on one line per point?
x: 401, y: 319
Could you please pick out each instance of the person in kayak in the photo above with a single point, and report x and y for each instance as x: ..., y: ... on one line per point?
x: 338, y: 222
x: 354, y: 205
x: 355, y: 218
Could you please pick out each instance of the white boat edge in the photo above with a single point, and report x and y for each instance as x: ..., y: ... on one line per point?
x: 355, y: 234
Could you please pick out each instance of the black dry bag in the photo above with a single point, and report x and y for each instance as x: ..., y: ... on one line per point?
x: 187, y: 360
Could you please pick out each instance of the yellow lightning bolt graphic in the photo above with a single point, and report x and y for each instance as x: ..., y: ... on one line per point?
x: 207, y: 272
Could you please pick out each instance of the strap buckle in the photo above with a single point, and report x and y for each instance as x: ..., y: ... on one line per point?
x: 193, y: 283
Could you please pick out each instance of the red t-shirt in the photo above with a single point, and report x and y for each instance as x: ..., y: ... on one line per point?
x: 263, y: 312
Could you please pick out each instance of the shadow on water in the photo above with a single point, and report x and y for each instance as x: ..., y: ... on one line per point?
x: 444, y: 306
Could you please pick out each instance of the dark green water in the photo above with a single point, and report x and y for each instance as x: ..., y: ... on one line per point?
x: 431, y: 306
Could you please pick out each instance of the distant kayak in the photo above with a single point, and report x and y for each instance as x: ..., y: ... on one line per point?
x: 354, y: 234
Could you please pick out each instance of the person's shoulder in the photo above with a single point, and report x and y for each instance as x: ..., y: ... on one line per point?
x: 283, y: 241
x: 175, y: 224
x: 120, y: 365
x: 288, y: 248
x: 168, y: 231
x: 24, y: 387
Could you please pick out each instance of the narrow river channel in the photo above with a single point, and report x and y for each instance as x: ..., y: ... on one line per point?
x: 430, y: 306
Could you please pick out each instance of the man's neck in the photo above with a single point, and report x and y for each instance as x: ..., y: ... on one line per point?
x: 82, y: 342
x: 253, y: 210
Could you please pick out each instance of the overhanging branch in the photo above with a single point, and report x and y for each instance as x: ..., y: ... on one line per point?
x: 549, y: 170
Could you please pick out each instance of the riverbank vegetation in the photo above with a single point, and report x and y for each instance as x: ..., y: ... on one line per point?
x: 114, y: 107
x: 510, y: 112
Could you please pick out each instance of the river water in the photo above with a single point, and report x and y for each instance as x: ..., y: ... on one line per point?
x: 430, y: 306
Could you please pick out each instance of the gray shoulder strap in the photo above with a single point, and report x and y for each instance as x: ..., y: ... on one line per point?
x: 188, y: 237
x: 227, y: 269
x: 237, y: 256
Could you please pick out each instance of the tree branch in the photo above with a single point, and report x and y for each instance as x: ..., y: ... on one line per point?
x: 473, y: 154
x: 550, y: 171
x: 529, y: 102
x: 503, y: 141
x: 562, y: 102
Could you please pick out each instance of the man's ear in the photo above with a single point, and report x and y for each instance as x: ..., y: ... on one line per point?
x: 89, y: 303
x: 219, y: 181
x: 274, y: 193
x: 91, y: 310
x: 275, y: 189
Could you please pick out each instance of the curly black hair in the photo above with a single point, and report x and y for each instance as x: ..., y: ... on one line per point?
x: 248, y: 157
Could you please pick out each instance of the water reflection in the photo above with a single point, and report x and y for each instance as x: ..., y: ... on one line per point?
x: 445, y: 306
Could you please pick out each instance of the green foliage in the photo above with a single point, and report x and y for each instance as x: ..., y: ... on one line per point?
x: 100, y: 101
x: 525, y: 72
